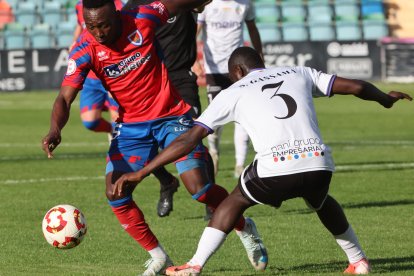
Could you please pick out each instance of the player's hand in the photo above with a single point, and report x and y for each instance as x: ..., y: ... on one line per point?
x: 50, y: 142
x: 395, y: 96
x: 127, y: 182
x: 197, y: 68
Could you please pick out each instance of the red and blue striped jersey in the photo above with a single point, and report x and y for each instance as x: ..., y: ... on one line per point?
x: 131, y: 69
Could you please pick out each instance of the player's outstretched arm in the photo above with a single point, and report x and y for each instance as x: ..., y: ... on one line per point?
x: 180, y: 147
x: 367, y: 91
x: 59, y: 118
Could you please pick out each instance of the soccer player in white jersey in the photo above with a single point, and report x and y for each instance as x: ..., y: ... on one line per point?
x: 222, y: 23
x: 276, y: 108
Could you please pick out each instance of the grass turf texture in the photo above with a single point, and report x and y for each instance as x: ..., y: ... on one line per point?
x: 364, y: 137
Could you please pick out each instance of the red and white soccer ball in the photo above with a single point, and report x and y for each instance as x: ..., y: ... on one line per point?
x: 64, y: 226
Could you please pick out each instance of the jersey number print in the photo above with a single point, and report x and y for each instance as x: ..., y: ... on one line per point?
x: 289, y: 101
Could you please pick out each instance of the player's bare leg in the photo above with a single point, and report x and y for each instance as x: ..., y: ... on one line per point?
x: 230, y: 210
x: 132, y: 220
x: 223, y: 221
x: 201, y: 188
x: 333, y: 218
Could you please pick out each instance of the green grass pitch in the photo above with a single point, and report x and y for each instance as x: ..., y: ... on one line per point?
x: 373, y: 149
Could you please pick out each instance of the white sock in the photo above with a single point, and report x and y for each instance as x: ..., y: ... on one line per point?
x: 158, y: 252
x: 210, y: 241
x: 348, y: 241
x: 214, y: 141
x: 241, y: 144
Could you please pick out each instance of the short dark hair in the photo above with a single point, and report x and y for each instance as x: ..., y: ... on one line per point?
x: 247, y: 56
x: 93, y: 4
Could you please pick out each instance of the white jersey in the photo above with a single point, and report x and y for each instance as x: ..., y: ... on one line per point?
x: 223, y: 31
x: 275, y: 107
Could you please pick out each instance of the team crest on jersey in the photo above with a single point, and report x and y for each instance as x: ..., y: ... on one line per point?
x: 136, y: 38
x: 71, y: 67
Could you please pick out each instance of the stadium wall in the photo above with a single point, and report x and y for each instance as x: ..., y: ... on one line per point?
x: 351, y: 59
x: 25, y: 70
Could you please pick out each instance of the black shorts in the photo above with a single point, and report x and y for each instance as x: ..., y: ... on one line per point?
x: 313, y: 186
x: 186, y: 84
x: 216, y: 83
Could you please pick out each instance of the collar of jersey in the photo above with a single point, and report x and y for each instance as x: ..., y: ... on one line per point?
x: 256, y: 70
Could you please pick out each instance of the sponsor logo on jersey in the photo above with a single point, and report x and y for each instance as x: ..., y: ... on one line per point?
x: 225, y: 24
x: 112, y: 71
x: 136, y: 38
x: 102, y: 55
x: 126, y: 65
x: 71, y: 67
x: 298, y: 149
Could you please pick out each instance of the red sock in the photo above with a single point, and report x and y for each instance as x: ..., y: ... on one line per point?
x: 214, y: 196
x: 103, y: 126
x: 133, y: 221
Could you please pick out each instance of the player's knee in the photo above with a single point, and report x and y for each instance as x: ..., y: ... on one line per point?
x: 110, y: 196
x: 115, y: 197
x: 202, y: 193
x: 91, y: 125
x: 211, y: 194
x: 115, y: 201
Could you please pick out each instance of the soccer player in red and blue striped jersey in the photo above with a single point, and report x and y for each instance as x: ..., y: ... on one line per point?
x: 94, y: 98
x: 119, y: 47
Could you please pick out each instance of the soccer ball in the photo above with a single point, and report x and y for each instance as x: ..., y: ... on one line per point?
x: 64, y: 226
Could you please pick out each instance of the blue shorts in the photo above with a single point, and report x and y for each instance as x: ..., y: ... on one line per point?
x: 94, y: 96
x: 135, y: 144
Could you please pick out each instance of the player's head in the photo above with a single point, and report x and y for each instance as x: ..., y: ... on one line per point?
x: 242, y: 61
x: 102, y: 20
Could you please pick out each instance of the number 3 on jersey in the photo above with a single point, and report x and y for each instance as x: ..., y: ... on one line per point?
x: 289, y: 101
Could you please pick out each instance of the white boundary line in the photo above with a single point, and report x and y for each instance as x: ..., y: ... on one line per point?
x: 38, y: 145
x: 226, y: 142
x: 60, y: 156
x: 382, y: 166
x: 339, y: 168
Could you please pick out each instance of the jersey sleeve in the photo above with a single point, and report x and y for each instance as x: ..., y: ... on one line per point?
x: 155, y: 13
x: 251, y: 12
x: 220, y: 111
x: 79, y: 65
x: 322, y: 82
